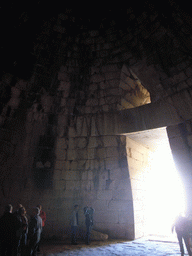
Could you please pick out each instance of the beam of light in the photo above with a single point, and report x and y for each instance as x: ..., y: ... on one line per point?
x: 165, y: 193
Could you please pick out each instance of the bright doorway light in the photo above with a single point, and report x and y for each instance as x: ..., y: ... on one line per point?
x: 165, y: 192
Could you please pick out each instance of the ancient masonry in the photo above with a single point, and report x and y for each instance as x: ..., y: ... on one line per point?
x: 64, y: 133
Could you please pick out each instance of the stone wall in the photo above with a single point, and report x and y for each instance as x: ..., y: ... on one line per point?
x: 138, y: 163
x: 61, y: 131
x: 93, y: 170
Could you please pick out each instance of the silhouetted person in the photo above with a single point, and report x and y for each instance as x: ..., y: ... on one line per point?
x: 182, y: 226
x: 16, y: 212
x: 8, y: 227
x: 74, y: 221
x: 88, y: 212
x: 22, y: 231
x: 34, y: 233
x: 43, y: 217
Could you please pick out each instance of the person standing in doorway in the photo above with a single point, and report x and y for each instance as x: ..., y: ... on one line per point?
x: 74, y: 221
x: 181, y: 226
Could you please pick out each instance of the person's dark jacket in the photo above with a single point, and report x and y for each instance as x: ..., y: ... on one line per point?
x: 9, y: 225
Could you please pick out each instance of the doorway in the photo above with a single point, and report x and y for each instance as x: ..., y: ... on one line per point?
x: 162, y: 189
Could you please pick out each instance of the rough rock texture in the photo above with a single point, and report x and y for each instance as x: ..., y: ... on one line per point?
x: 68, y: 100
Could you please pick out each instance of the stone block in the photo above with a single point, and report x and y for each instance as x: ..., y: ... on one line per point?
x: 65, y: 93
x: 92, y: 142
x: 113, y: 75
x: 81, y: 154
x: 73, y: 185
x: 96, y: 109
x: 91, y: 153
x: 110, y: 141
x: 90, y: 175
x: 124, y: 85
x: 59, y: 185
x: 105, y: 108
x: 110, y: 100
x: 101, y: 153
x: 173, y: 131
x: 123, y: 194
x: 84, y: 175
x: 81, y: 142
x: 72, y: 175
x: 189, y: 139
x: 59, y: 165
x: 189, y: 81
x: 182, y: 86
x: 97, y: 78
x: 63, y: 102
x: 102, y: 101
x: 122, y: 184
x: 110, y: 68
x: 104, y: 85
x: 115, y: 175
x: 124, y: 217
x: 71, y: 143
x: 177, y: 143
x: 73, y: 165
x: 61, y: 154
x: 106, y: 217
x: 72, y: 132
x: 98, y: 236
x: 95, y: 70
x: 94, y: 131
x: 112, y: 152
x: 126, y: 104
x: 71, y: 154
x: 135, y: 154
x: 87, y: 110
x: 115, y: 91
x: 81, y: 164
x: 112, y: 163
x: 92, y: 164
x: 63, y: 76
x: 93, y: 86
x: 64, y: 86
x: 180, y: 77
x: 114, y: 83
x: 92, y: 102
x: 79, y: 125
x: 68, y: 194
x: 100, y: 205
x: 123, y: 205
x: 86, y: 185
x: 104, y: 194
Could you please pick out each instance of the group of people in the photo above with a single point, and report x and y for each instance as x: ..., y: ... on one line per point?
x: 74, y: 221
x: 19, y: 234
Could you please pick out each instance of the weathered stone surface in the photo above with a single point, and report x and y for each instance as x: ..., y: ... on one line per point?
x: 104, y: 194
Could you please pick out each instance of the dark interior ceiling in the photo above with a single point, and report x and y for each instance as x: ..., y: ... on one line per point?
x: 22, y: 25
